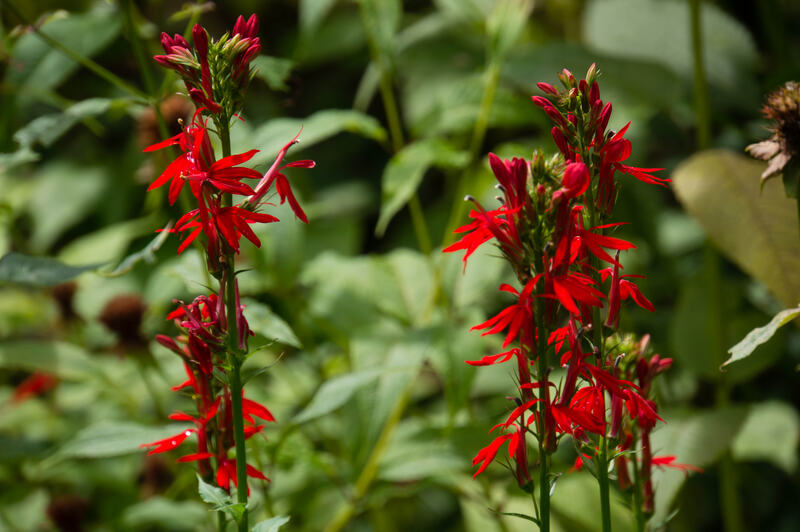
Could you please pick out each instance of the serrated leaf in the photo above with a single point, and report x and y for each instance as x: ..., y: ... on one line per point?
x: 38, y: 271
x: 273, y: 135
x: 111, y: 438
x: 58, y: 358
x: 335, y: 392
x: 273, y: 70
x: 268, y: 324
x: 770, y: 433
x: 757, y: 230
x: 405, y: 171
x: 271, y: 525
x: 760, y: 335
x: 217, y: 497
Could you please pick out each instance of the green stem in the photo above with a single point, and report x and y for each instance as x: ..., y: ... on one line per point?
x: 544, y: 458
x: 602, y: 479
x: 638, y: 511
x: 81, y: 59
x: 478, y: 135
x: 222, y: 524
x: 234, y: 359
x: 702, y: 113
x: 370, y: 469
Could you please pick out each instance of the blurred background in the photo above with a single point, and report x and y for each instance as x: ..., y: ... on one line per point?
x: 362, y: 321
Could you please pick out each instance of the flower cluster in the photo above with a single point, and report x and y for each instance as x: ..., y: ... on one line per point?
x: 551, y: 227
x: 216, y: 73
x: 214, y: 332
x: 202, y: 348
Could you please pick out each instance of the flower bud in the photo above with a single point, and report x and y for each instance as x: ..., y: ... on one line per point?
x: 200, y: 38
x: 546, y: 87
x: 576, y: 179
x: 591, y: 74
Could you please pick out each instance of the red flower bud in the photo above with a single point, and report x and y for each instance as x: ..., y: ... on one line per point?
x: 200, y: 38
x: 576, y: 179
x: 546, y: 87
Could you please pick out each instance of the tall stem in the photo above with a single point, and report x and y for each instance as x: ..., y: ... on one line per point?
x: 234, y: 358
x: 544, y: 458
x: 478, y: 135
x: 602, y: 479
x: 702, y: 114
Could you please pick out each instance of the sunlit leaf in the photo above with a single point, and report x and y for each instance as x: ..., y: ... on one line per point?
x: 271, y: 525
x: 312, y: 12
x: 146, y: 254
x: 770, y: 433
x: 758, y: 336
x: 268, y: 324
x: 108, y: 244
x: 335, y: 392
x: 273, y: 135
x: 22, y: 156
x: 405, y: 171
x: 114, y: 439
x: 756, y: 229
x: 38, y: 271
x: 658, y: 31
x: 505, y: 24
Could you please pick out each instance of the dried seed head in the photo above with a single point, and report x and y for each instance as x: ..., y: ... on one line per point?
x: 783, y: 107
x: 123, y: 315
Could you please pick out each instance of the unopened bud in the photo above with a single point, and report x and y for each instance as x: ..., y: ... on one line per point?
x: 591, y: 74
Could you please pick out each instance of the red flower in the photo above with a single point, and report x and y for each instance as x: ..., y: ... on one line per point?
x: 36, y: 384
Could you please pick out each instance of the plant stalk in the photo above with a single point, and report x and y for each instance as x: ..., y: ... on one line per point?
x: 602, y: 479
x: 638, y: 511
x: 234, y: 359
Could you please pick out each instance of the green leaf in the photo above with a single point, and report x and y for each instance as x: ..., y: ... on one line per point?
x: 757, y: 230
x: 146, y: 254
x: 111, y: 438
x: 658, y: 31
x: 38, y: 67
x: 165, y: 514
x: 268, y: 324
x: 274, y: 135
x: 505, y: 24
x: 212, y: 494
x: 58, y: 358
x: 47, y: 129
x: 381, y: 19
x: 108, y: 244
x: 273, y: 70
x: 521, y: 516
x: 63, y: 195
x: 312, y: 13
x: 758, y: 336
x: 697, y: 439
x: 335, y: 392
x: 405, y: 171
x: 38, y: 271
x: 9, y: 161
x: 271, y: 525
x: 770, y: 433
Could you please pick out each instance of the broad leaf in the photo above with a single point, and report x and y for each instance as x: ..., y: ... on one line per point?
x: 658, y: 31
x: 335, y: 392
x: 58, y: 358
x: 146, y: 254
x: 696, y: 439
x: 268, y: 324
x: 312, y: 12
x: 114, y: 439
x: 108, y: 244
x: 770, y: 433
x: 505, y: 24
x: 760, y: 335
x: 273, y: 135
x: 405, y: 171
x: 38, y: 67
x: 273, y: 70
x: 271, y: 525
x: 756, y: 229
x: 219, y: 499
x: 38, y: 271
x: 165, y: 514
x: 47, y: 129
